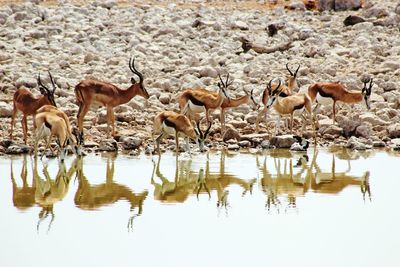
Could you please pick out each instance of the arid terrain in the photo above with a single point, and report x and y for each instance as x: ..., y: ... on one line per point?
x: 186, y: 44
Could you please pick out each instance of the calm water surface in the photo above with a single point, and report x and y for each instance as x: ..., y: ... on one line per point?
x: 320, y: 208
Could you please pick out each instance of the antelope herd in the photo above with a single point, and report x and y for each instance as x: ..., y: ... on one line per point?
x: 50, y: 122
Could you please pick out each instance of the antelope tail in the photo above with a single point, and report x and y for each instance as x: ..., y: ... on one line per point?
x: 313, y: 91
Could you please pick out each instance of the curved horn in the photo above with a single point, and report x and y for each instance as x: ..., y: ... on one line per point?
x: 222, y: 82
x: 200, y: 132
x: 295, y: 73
x: 370, y: 86
x: 52, y: 81
x: 39, y: 81
x: 287, y: 67
x: 134, y: 70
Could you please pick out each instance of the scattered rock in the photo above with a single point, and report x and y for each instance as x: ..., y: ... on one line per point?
x: 164, y: 98
x: 108, y: 145
x: 372, y: 119
x: 233, y: 147
x: 231, y: 134
x: 130, y: 142
x: 341, y: 5
x: 266, y: 145
x: 240, y: 25
x: 353, y: 20
x: 355, y: 143
x: 5, y: 109
x: 282, y: 141
x: 394, y: 130
x: 18, y: 149
x: 333, y: 130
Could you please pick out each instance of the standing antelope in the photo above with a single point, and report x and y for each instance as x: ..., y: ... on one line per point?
x: 201, y: 100
x: 333, y: 92
x: 287, y: 90
x: 90, y: 92
x: 51, y: 124
x: 233, y: 103
x: 289, y: 105
x: 25, y: 102
x: 170, y: 123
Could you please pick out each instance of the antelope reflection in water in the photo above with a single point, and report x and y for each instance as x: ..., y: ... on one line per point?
x: 49, y: 191
x: 92, y: 197
x: 294, y: 180
x: 189, y: 182
x: 23, y: 197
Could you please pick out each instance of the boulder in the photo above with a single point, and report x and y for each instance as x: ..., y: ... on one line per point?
x: 364, y: 130
x: 164, y: 98
x: 348, y: 125
x: 130, y: 142
x: 394, y: 130
x: 333, y: 130
x: 240, y: 25
x: 353, y: 20
x: 5, y: 109
x: 372, y: 119
x: 17, y: 149
x: 282, y: 141
x: 326, y: 5
x: 233, y: 147
x: 108, y: 145
x: 231, y: 134
x: 265, y: 144
x: 355, y: 143
x: 341, y: 5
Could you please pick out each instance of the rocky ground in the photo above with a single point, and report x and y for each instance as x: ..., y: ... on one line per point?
x: 185, y: 44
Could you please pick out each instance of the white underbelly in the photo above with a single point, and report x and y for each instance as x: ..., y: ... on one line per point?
x: 195, y: 108
x: 168, y: 130
x: 324, y: 100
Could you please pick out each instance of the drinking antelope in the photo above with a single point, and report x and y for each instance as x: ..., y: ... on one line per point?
x: 51, y: 124
x: 28, y: 104
x: 288, y: 105
x: 74, y: 133
x: 170, y: 123
x: 89, y: 92
x: 334, y: 92
x: 287, y: 90
x: 201, y: 100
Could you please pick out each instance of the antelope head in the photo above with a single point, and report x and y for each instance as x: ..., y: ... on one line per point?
x: 142, y: 91
x: 251, y: 95
x: 366, y: 92
x: 224, y: 86
x: 49, y: 94
x: 292, y: 78
x: 201, y: 137
x: 273, y: 94
x: 78, y: 142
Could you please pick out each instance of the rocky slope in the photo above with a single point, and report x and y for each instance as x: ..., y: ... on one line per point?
x: 186, y: 46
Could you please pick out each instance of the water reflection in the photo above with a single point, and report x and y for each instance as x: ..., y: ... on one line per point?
x: 92, y: 197
x: 50, y: 191
x: 283, y: 177
x: 291, y: 178
x: 23, y: 197
x: 201, y: 181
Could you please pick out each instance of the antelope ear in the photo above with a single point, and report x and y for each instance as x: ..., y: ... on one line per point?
x: 133, y: 81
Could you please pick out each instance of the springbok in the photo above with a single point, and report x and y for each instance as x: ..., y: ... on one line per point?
x: 51, y: 124
x: 93, y: 92
x: 233, y: 103
x: 74, y: 133
x: 170, y: 123
x: 334, y: 92
x: 201, y: 100
x: 287, y: 90
x: 288, y: 105
x: 28, y: 104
